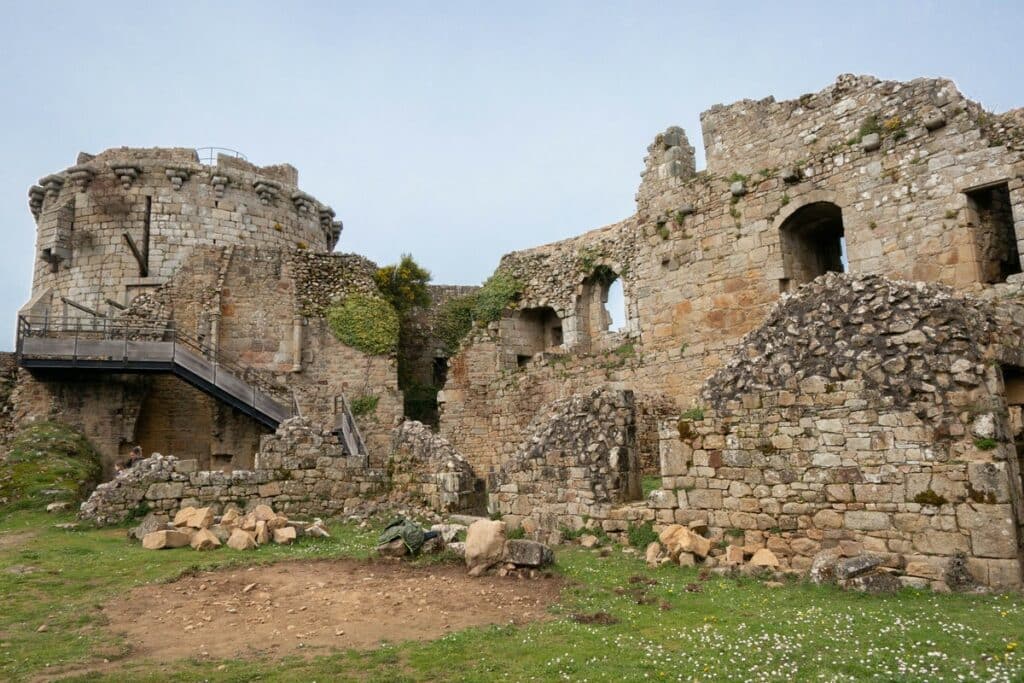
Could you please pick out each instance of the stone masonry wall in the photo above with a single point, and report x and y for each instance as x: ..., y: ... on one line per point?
x: 300, y: 470
x: 578, y: 461
x: 83, y: 212
x: 867, y: 413
x: 703, y: 260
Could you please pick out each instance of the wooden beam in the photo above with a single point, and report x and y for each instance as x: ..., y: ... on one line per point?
x: 143, y: 267
x: 82, y: 307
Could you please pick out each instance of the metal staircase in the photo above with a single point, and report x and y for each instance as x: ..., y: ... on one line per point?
x: 105, y: 345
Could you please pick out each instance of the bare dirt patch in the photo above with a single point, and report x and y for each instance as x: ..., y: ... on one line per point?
x: 11, y: 539
x: 294, y: 607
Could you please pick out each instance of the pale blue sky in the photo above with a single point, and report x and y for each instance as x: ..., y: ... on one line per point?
x: 454, y: 131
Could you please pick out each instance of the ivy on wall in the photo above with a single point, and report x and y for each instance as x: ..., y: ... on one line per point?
x: 367, y: 323
x: 456, y: 316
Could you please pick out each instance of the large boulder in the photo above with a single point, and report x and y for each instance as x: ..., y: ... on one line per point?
x: 241, y: 540
x: 158, y: 540
x: 150, y: 523
x: 485, y: 545
x: 823, y: 566
x: 525, y: 553
x: 204, y: 539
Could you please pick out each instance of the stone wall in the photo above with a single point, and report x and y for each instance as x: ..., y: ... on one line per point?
x: 577, y: 461
x: 424, y: 470
x: 864, y: 412
x: 168, y: 203
x: 299, y: 470
x: 891, y: 168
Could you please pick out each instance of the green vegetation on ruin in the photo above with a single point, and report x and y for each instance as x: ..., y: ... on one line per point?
x: 364, y: 405
x: 369, y: 324
x: 47, y: 462
x: 668, y: 623
x: 404, y: 284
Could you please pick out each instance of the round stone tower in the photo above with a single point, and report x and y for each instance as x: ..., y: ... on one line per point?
x: 121, y: 222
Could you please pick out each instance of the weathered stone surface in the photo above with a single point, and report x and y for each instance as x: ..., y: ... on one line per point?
x: 764, y: 558
x: 158, y: 540
x: 485, y: 545
x: 525, y: 553
x: 823, y: 567
x: 850, y: 567
x: 241, y: 540
x: 285, y: 535
x: 204, y: 539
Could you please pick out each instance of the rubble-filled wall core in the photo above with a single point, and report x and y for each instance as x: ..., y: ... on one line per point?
x: 867, y: 412
x: 908, y: 180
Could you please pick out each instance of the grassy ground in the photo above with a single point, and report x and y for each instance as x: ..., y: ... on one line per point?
x: 685, y: 629
x: 47, y: 462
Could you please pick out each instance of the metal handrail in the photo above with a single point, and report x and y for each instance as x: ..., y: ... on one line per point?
x: 113, y: 329
x: 208, y: 155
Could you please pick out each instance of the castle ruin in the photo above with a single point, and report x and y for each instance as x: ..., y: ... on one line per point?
x: 822, y: 341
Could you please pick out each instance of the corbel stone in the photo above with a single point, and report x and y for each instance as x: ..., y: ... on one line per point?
x: 791, y: 175
x: 933, y: 119
x: 268, y: 190
x: 127, y: 174
x: 177, y: 175
x: 304, y: 203
x: 52, y: 184
x: 219, y: 182
x: 326, y: 218
x: 36, y: 194
x: 871, y: 142
x: 81, y: 176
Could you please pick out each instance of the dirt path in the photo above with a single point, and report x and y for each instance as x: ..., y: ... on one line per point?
x: 293, y: 607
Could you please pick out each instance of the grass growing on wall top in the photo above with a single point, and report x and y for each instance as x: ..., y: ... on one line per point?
x: 456, y: 316
x: 369, y: 324
x: 47, y: 462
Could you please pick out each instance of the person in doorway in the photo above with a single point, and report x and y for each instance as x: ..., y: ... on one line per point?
x: 133, y: 457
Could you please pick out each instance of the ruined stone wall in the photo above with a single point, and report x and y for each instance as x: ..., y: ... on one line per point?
x: 83, y: 212
x: 178, y: 418
x: 866, y: 413
x: 706, y: 255
x: 577, y: 461
x: 105, y: 408
x: 300, y: 470
x: 424, y: 470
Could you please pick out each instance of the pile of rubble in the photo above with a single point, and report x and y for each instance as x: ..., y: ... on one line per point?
x: 487, y: 546
x: 201, y: 529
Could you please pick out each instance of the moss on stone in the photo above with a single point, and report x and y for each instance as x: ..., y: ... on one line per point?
x: 48, y: 462
x: 369, y: 324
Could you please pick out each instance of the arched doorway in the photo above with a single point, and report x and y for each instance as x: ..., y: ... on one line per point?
x: 813, y: 243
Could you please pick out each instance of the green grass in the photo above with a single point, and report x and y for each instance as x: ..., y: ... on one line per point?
x: 685, y: 629
x: 650, y: 483
x: 47, y: 462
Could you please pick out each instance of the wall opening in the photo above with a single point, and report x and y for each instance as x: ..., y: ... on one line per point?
x: 1013, y: 390
x: 439, y: 371
x: 990, y: 214
x: 600, y: 292
x: 813, y: 243
x: 615, y: 305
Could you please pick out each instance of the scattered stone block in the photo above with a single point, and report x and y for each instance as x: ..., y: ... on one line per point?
x: 284, y: 535
x: 850, y: 567
x: 524, y: 553
x: 764, y: 558
x: 485, y: 545
x: 158, y: 540
x: 241, y: 540
x: 204, y: 539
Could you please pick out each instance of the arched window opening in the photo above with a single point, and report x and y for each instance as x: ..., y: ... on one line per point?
x: 600, y: 309
x: 813, y: 243
x: 615, y: 305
